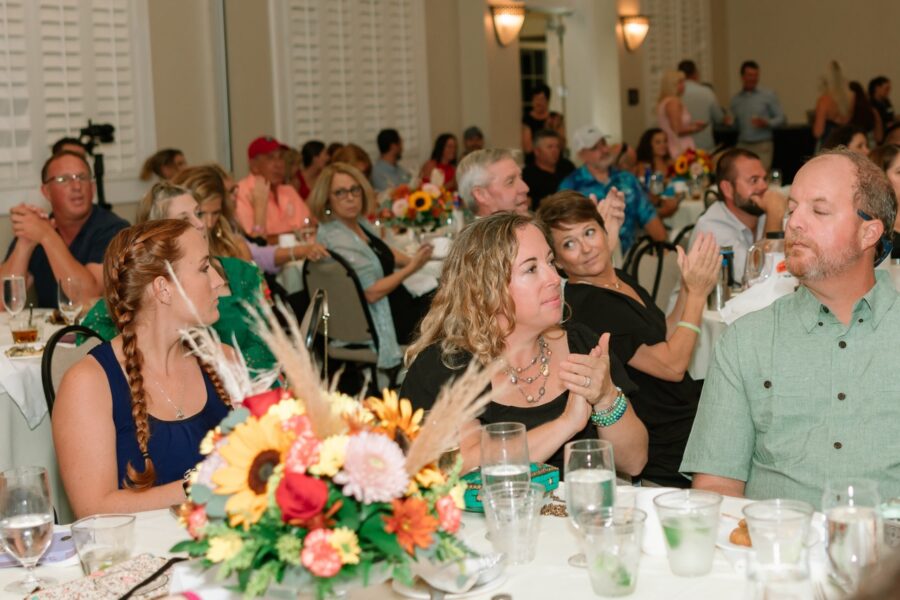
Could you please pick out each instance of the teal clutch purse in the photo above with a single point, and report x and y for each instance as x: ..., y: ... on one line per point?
x: 545, y: 475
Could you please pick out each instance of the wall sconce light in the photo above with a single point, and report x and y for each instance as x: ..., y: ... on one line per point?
x: 508, y: 20
x: 634, y: 30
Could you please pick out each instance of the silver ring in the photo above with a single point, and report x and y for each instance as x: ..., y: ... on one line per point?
x: 587, y: 381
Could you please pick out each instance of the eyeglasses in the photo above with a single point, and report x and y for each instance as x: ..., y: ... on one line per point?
x: 343, y: 193
x: 69, y: 178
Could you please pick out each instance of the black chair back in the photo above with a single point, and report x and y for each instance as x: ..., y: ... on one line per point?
x: 57, y: 359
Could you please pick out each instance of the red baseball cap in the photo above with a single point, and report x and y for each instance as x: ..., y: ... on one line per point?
x: 264, y: 145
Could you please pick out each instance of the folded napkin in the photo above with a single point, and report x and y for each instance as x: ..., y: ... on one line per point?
x: 654, y: 544
x: 21, y: 379
x: 758, y: 296
x: 420, y: 283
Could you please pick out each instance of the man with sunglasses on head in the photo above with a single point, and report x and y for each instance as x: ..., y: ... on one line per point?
x: 67, y: 243
x: 804, y: 391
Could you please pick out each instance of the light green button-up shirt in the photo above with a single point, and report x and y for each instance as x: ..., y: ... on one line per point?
x: 795, y: 398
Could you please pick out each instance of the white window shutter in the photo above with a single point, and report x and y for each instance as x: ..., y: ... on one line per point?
x: 63, y: 62
x: 679, y: 29
x: 15, y: 118
x: 345, y: 69
x: 114, y: 96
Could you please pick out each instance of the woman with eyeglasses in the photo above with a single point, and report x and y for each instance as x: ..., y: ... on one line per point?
x: 340, y: 201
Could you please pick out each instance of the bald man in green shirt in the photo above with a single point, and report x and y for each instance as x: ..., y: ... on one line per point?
x: 808, y: 389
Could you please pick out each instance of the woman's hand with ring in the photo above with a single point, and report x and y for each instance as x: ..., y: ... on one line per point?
x: 587, y: 375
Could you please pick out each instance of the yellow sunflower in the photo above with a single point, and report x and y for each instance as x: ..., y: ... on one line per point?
x: 392, y: 414
x: 421, y: 201
x: 251, y: 453
x: 681, y: 165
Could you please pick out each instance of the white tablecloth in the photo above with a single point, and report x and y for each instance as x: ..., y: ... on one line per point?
x: 687, y: 214
x: 548, y: 576
x: 711, y: 329
x: 26, y: 437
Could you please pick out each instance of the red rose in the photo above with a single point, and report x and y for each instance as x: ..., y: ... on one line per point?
x: 300, y: 496
x: 259, y: 404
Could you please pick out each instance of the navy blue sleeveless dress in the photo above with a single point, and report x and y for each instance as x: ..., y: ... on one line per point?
x: 174, y: 446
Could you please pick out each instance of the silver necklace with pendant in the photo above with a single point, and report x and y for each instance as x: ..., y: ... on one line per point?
x: 179, y: 414
x: 515, y: 374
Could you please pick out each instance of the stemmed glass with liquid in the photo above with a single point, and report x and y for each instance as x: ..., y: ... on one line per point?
x: 68, y: 293
x: 14, y: 292
x: 590, y: 482
x: 854, y: 529
x: 26, y: 522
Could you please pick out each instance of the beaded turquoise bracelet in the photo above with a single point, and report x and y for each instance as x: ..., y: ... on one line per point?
x: 610, y: 416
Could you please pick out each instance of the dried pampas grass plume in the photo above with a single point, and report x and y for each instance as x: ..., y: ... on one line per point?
x: 298, y: 366
x: 458, y: 402
x: 236, y: 377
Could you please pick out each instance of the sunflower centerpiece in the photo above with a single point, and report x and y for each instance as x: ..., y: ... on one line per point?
x: 317, y: 491
x: 423, y: 207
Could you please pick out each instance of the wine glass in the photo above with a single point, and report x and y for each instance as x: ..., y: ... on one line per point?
x: 775, y: 178
x: 26, y: 522
x: 68, y: 293
x: 14, y: 292
x: 307, y: 232
x: 504, y: 454
x: 657, y: 183
x: 854, y: 529
x: 590, y: 482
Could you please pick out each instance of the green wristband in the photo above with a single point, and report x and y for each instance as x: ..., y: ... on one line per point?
x: 687, y: 325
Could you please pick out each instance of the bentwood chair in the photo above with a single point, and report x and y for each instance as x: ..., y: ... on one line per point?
x: 60, y: 353
x: 655, y: 266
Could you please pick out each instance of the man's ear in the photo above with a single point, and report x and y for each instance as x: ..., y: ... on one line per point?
x: 482, y: 199
x: 726, y: 189
x: 871, y: 233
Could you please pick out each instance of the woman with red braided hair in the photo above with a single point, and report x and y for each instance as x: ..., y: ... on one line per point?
x: 130, y: 416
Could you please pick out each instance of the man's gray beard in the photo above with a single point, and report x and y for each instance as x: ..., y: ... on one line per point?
x: 823, y: 267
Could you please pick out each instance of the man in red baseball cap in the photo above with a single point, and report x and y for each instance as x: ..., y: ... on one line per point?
x: 265, y: 206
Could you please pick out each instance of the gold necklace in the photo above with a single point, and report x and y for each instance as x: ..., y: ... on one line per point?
x: 616, y: 284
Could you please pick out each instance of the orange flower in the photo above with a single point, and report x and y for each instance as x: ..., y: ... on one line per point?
x: 411, y: 523
x: 401, y: 191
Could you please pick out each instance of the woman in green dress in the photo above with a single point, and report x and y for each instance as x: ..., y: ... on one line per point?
x: 243, y: 279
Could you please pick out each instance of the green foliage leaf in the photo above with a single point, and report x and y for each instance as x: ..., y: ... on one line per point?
x: 192, y: 547
x: 215, y: 506
x: 234, y: 418
x: 348, y: 515
x: 200, y: 493
x: 373, y: 532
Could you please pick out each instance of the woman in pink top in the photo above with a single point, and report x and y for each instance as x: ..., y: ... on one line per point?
x: 672, y: 115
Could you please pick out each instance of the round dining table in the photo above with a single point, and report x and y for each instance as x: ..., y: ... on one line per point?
x: 548, y: 576
x: 26, y: 437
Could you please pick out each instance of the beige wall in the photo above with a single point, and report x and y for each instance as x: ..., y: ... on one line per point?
x: 184, y: 86
x: 793, y: 41
x: 249, y: 76
x: 443, y: 64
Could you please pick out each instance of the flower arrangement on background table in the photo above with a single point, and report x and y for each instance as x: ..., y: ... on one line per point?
x: 312, y: 489
x: 694, y: 167
x: 422, y: 207
x: 691, y: 164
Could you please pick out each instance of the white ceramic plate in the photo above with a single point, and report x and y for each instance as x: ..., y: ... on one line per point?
x: 420, y: 589
x: 34, y: 351
x: 727, y: 525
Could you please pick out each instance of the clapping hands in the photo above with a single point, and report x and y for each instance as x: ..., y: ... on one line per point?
x: 700, y: 266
